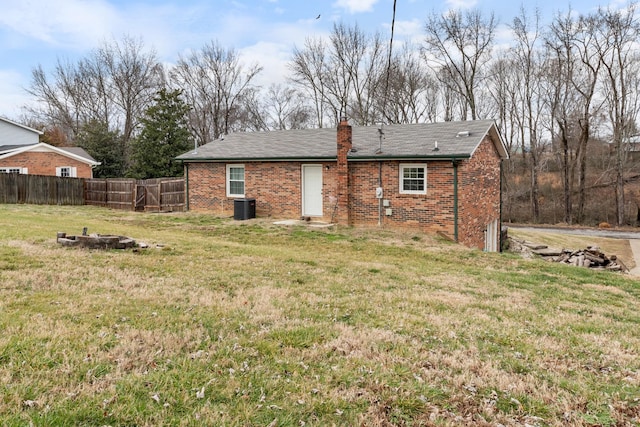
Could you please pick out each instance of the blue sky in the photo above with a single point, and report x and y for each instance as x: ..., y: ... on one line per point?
x: 39, y: 32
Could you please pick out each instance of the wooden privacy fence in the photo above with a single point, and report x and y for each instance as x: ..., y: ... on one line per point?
x: 151, y: 195
x: 41, y: 190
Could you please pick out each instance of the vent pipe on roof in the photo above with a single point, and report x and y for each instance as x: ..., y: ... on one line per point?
x: 463, y: 134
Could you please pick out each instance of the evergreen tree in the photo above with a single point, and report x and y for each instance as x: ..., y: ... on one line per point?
x: 105, y: 146
x: 165, y: 135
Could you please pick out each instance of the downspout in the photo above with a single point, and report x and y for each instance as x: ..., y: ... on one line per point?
x: 500, y: 242
x: 186, y: 185
x: 455, y: 199
x: 380, y: 199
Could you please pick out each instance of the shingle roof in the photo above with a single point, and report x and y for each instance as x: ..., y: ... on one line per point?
x: 454, y: 140
x: 7, y: 148
x: 80, y: 152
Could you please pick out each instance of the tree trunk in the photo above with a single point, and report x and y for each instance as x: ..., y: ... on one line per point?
x: 582, y: 175
x: 619, y: 184
x: 535, y: 188
x: 566, y: 172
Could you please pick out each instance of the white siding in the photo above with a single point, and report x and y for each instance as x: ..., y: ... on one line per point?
x: 11, y: 134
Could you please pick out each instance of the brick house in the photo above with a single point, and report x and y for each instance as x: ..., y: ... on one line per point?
x: 20, y: 152
x: 437, y: 177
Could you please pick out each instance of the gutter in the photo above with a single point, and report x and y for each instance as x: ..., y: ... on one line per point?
x: 323, y: 158
x: 411, y: 157
x: 255, y: 159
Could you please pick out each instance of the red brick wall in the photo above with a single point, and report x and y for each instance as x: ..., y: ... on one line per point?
x: 39, y: 163
x: 431, y: 212
x: 276, y: 186
x: 479, y: 194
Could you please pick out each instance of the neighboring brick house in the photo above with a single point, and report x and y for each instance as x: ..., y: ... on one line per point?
x: 20, y: 152
x: 437, y: 178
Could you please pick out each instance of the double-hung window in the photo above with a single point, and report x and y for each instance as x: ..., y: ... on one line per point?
x: 66, y: 172
x: 13, y: 170
x: 413, y: 178
x: 235, y: 180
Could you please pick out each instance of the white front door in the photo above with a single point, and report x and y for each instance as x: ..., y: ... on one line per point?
x: 311, y: 190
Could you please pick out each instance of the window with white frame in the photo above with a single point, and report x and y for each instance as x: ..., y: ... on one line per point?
x: 235, y: 180
x: 413, y: 178
x: 13, y: 170
x: 66, y: 172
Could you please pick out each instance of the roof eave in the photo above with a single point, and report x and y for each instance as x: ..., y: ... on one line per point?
x: 52, y: 148
x: 379, y: 157
x: 325, y: 159
x: 253, y: 159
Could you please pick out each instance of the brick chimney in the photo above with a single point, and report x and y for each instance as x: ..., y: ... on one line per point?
x: 344, y: 146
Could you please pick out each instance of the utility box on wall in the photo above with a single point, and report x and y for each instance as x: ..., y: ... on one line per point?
x: 244, y: 209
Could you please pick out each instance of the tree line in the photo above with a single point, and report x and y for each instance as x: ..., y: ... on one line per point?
x: 565, y: 96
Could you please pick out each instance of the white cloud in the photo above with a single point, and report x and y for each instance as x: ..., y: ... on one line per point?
x: 274, y: 51
x: 408, y: 30
x: 461, y: 4
x: 273, y: 57
x: 70, y: 23
x: 356, y: 6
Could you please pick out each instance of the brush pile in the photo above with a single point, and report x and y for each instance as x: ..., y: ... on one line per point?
x: 589, y: 257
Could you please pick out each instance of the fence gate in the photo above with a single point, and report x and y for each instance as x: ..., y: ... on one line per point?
x: 141, y: 196
x: 152, y: 190
x: 152, y: 195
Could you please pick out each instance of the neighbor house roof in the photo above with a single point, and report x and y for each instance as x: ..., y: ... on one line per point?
x: 7, y: 148
x: 76, y: 153
x: 407, y: 141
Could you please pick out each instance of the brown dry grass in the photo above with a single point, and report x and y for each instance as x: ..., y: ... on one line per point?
x: 246, y: 323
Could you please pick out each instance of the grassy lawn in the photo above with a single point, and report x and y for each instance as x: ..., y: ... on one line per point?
x: 250, y: 324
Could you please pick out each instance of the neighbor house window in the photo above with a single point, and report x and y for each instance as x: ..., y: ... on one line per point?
x: 413, y: 179
x: 13, y: 170
x: 66, y: 172
x: 235, y: 180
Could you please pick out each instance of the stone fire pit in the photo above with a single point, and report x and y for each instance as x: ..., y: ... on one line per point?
x: 96, y: 241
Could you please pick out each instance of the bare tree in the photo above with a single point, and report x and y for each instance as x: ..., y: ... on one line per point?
x: 112, y: 86
x: 135, y: 77
x: 343, y: 75
x: 458, y: 47
x: 286, y: 108
x: 278, y: 108
x: 413, y: 93
x: 586, y: 85
x: 357, y: 61
x: 616, y: 34
x: 505, y: 90
x: 563, y: 100
x: 528, y: 65
x: 214, y: 82
x: 308, y: 67
x: 56, y: 106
